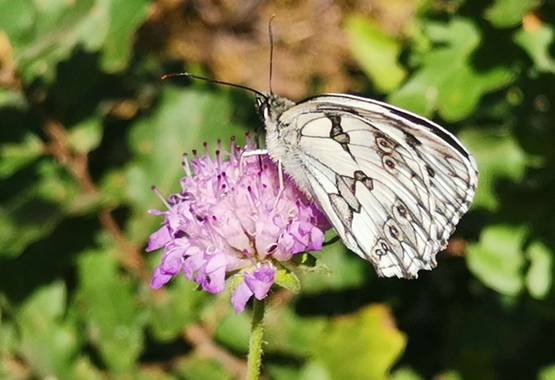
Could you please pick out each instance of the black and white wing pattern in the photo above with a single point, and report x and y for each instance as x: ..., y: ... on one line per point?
x: 392, y: 183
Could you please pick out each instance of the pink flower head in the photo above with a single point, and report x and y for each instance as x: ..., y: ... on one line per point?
x: 228, y: 220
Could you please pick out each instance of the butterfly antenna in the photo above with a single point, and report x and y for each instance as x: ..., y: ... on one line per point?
x: 271, y: 35
x: 215, y: 81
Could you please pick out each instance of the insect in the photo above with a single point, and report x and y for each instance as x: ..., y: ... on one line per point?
x: 392, y: 183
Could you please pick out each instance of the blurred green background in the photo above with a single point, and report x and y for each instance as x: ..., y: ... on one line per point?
x: 87, y: 126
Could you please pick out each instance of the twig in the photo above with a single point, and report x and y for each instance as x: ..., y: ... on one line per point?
x: 205, y: 347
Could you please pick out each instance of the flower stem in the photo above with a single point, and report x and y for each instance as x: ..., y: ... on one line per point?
x: 255, y: 343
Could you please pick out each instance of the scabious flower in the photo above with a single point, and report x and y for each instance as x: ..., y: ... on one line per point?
x: 228, y: 220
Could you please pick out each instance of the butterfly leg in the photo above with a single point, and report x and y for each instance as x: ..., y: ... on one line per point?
x: 250, y: 153
x: 281, y: 183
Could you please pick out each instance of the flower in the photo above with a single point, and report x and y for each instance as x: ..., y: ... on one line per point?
x: 230, y: 220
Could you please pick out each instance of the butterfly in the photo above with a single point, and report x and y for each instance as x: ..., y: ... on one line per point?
x: 392, y: 183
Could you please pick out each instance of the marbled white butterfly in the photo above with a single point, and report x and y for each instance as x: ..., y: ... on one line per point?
x: 392, y: 183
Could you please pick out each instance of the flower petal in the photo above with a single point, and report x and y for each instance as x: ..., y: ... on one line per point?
x: 240, y: 297
x: 158, y: 239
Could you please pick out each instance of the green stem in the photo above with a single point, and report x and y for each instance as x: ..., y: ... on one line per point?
x: 255, y: 343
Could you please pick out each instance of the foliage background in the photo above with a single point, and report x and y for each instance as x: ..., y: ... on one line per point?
x: 87, y: 126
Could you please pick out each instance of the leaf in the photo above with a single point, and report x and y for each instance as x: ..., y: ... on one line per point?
x: 509, y: 13
x: 234, y: 331
x: 538, y: 277
x: 547, y: 373
x: 406, y: 373
x: 376, y: 52
x: 497, y: 259
x: 498, y: 156
x: 48, y: 343
x: 182, y: 122
x: 195, y: 368
x: 114, y: 320
x: 536, y: 42
x: 28, y: 216
x: 85, y: 136
x: 14, y: 157
x: 42, y: 35
x: 111, y: 27
x: 288, y: 280
x: 290, y: 334
x: 175, y: 308
x: 344, y: 270
x: 11, y: 98
x: 45, y: 33
x: 446, y: 81
x: 362, y: 346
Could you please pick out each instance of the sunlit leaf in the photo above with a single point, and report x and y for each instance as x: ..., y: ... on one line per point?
x: 45, y: 33
x: 509, y: 13
x: 498, y: 156
x: 446, y: 80
x: 14, y: 157
x: 536, y: 42
x: 547, y: 373
x: 288, y: 280
x: 361, y: 346
x: 497, y: 259
x: 287, y: 333
x: 85, y: 136
x: 538, y: 277
x: 376, y: 52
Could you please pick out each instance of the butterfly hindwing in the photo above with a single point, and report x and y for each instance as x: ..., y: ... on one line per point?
x: 393, y: 184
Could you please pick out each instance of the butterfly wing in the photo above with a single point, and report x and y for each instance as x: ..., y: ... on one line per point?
x: 393, y: 184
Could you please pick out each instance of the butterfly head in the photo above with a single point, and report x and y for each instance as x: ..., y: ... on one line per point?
x: 270, y: 106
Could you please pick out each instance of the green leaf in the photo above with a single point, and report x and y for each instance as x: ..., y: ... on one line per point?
x: 509, y: 13
x: 12, y: 98
x: 314, y: 370
x: 497, y: 259
x: 536, y: 42
x: 111, y: 27
x: 28, y: 216
x: 85, y: 136
x: 234, y: 331
x: 288, y: 280
x: 114, y: 320
x: 48, y: 343
x: 46, y: 33
x: 498, y: 156
x: 376, y: 52
x: 14, y: 157
x: 195, y: 368
x: 538, y: 278
x: 343, y: 270
x: 547, y: 373
x: 42, y: 33
x: 446, y: 81
x: 173, y: 309
x: 405, y: 373
x: 362, y: 346
x: 289, y: 334
x: 183, y: 120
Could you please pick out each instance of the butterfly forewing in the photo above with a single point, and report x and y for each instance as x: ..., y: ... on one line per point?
x: 393, y: 184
